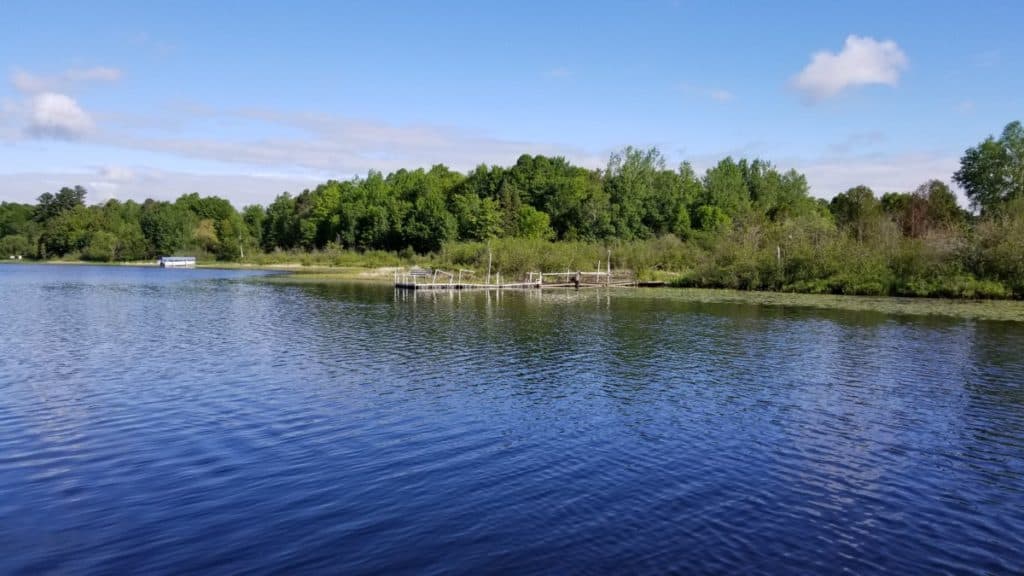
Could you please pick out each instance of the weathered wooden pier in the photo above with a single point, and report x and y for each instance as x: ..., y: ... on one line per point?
x: 424, y: 279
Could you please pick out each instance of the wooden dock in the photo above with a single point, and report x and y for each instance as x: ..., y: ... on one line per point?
x: 423, y: 279
x: 465, y: 286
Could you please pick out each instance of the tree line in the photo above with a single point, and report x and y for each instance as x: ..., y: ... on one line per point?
x: 742, y: 223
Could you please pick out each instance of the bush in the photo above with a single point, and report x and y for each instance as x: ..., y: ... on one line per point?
x: 15, y: 245
x: 102, y: 247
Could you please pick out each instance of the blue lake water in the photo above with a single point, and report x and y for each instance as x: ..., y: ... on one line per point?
x: 200, y: 421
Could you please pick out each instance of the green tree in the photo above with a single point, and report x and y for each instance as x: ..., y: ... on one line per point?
x: 712, y: 219
x: 16, y: 219
x: 254, y: 217
x: 231, y: 233
x: 50, y: 205
x: 856, y: 209
x: 992, y: 173
x: 534, y: 224
x: 68, y: 231
x: 430, y: 224
x: 933, y: 205
x: 165, y: 227
x: 280, y: 227
x: 478, y: 218
x: 15, y: 245
x: 630, y: 180
x: 996, y: 251
x: 725, y: 187
x: 205, y: 208
x: 102, y: 247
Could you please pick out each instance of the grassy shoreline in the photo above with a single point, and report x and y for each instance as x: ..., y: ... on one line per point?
x: 1000, y: 310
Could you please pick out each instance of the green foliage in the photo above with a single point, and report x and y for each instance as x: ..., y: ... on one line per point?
x: 634, y: 181
x: 166, y: 227
x: 254, y: 217
x: 15, y: 245
x: 725, y: 188
x: 857, y: 209
x: 430, y: 224
x: 68, y: 230
x: 742, y: 224
x: 205, y: 208
x: 533, y: 223
x: 50, y: 205
x: 16, y: 219
x: 997, y: 250
x: 992, y: 173
x: 102, y: 247
x: 712, y: 218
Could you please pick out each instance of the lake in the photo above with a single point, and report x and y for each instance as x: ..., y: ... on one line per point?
x: 207, y: 421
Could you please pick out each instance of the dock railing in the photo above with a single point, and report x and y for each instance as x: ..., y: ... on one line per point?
x: 437, y: 279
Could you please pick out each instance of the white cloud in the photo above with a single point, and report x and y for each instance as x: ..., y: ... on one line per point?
x: 117, y: 174
x: 307, y: 149
x: 57, y: 116
x: 863, y: 61
x: 146, y: 41
x: 29, y: 83
x: 858, y: 141
x: 559, y: 72
x: 965, y: 107
x: 882, y: 173
x: 716, y: 94
x: 141, y: 182
x: 46, y: 110
x: 340, y: 145
x: 721, y: 95
x: 98, y: 73
x: 844, y: 167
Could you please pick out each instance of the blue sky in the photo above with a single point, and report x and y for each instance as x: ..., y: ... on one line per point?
x: 248, y: 99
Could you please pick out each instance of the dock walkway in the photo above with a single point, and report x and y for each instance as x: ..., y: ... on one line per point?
x: 422, y: 279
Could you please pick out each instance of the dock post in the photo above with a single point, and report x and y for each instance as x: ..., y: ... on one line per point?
x: 608, y: 269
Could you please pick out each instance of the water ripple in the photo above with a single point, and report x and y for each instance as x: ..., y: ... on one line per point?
x: 166, y: 422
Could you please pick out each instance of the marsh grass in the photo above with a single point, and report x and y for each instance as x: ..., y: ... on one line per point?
x: 1003, y: 310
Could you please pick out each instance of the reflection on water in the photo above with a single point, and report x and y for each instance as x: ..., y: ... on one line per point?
x: 180, y: 421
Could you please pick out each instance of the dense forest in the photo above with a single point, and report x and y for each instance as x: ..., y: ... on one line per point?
x: 742, y: 224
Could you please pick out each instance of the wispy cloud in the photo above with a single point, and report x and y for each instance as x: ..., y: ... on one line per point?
x: 862, y: 61
x: 965, y: 106
x: 988, y: 58
x: 858, y: 141
x: 716, y: 94
x: 150, y: 43
x: 140, y: 182
x: 348, y: 145
x: 721, y: 95
x: 29, y: 83
x: 904, y: 172
x: 558, y: 72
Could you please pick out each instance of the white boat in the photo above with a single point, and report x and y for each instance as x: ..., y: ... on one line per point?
x: 177, y: 261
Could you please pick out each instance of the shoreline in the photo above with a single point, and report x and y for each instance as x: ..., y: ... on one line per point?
x: 966, y: 309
